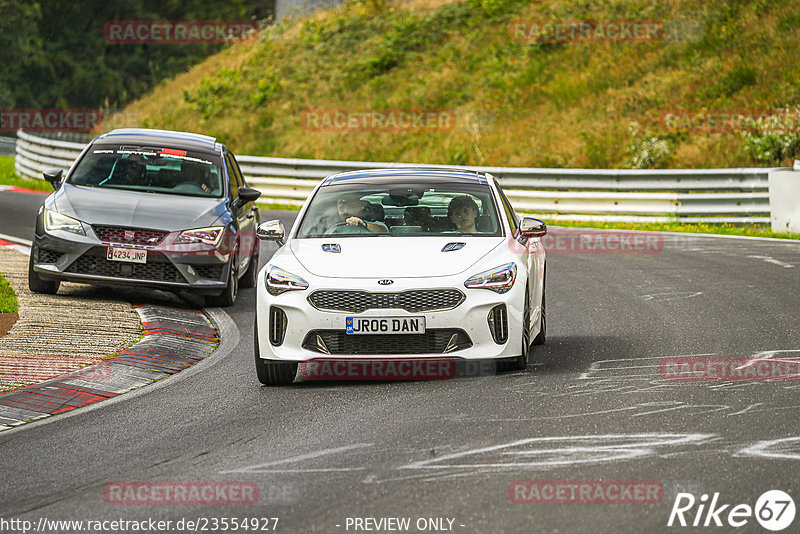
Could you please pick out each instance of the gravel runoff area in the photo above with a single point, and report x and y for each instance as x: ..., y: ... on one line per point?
x: 58, y: 334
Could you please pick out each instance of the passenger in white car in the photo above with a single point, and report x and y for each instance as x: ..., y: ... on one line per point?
x: 462, y: 212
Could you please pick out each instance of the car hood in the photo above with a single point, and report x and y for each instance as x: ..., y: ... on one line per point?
x: 391, y: 257
x: 137, y: 210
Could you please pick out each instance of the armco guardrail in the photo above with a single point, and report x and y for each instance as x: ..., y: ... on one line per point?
x: 8, y: 146
x: 706, y: 195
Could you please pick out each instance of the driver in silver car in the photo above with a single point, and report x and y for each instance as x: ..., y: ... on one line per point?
x: 127, y: 172
x: 196, y: 174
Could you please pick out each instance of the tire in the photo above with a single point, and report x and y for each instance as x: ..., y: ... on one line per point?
x: 228, y: 296
x: 520, y: 363
x: 36, y: 284
x: 274, y: 373
x: 542, y: 335
x: 251, y: 274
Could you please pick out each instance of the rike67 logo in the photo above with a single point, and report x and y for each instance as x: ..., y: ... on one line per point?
x: 774, y: 510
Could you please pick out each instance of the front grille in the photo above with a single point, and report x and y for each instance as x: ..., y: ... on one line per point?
x: 158, y: 267
x: 129, y: 236
x: 498, y: 323
x: 415, y: 300
x: 48, y: 256
x: 434, y: 341
x: 277, y: 325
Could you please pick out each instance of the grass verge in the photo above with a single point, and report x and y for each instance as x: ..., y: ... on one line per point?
x: 749, y: 230
x: 277, y: 206
x: 8, y: 300
x: 8, y: 176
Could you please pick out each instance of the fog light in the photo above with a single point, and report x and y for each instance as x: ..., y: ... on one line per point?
x: 277, y: 325
x: 498, y: 323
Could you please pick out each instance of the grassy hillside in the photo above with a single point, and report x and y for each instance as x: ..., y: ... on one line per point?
x: 576, y: 104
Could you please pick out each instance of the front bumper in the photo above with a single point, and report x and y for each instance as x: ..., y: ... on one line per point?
x: 469, y: 318
x: 61, y: 255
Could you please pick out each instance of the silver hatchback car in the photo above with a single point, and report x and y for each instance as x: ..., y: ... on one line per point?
x: 153, y: 208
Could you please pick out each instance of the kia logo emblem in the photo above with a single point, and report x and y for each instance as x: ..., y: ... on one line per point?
x: 385, y: 282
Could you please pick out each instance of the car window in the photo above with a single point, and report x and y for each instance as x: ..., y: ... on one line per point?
x: 511, y: 215
x: 239, y: 176
x: 234, y: 179
x: 402, y: 209
x: 163, y: 170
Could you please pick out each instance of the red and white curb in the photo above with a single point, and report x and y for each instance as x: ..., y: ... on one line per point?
x: 16, y: 243
x: 15, y: 189
x: 174, y: 340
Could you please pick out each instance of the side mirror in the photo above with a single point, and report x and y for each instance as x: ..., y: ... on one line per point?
x: 530, y: 227
x: 246, y: 194
x: 271, y: 231
x: 54, y: 177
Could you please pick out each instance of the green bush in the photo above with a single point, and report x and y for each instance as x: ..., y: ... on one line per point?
x: 775, y: 139
x: 266, y: 88
x: 213, y: 93
x: 647, y: 151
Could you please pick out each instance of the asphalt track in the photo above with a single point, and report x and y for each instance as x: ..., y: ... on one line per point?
x: 591, y: 406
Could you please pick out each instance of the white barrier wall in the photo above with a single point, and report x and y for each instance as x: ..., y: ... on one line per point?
x: 784, y: 201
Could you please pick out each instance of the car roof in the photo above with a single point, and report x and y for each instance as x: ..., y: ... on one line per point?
x: 158, y: 138
x: 437, y: 174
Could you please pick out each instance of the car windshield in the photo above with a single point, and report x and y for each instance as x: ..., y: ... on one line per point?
x: 153, y: 170
x: 407, y: 209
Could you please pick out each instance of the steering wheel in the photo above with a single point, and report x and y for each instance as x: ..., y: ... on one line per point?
x: 344, y: 228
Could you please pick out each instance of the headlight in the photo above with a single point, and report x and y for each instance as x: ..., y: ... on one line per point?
x: 207, y: 236
x: 500, y: 279
x: 54, y: 220
x: 279, y: 281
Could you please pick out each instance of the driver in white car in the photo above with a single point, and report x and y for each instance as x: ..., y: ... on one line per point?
x: 354, y: 212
